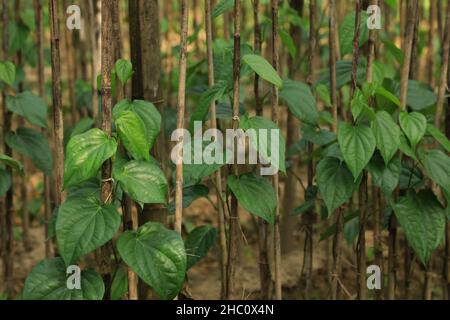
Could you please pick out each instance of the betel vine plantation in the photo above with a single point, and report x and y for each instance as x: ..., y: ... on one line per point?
x: 348, y: 100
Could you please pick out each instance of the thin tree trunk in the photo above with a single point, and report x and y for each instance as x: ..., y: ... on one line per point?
x: 58, y: 124
x: 218, y: 174
x: 41, y: 89
x: 337, y: 240
x: 430, y: 44
x: 265, y: 277
x: 95, y: 65
x: 443, y: 72
x: 107, y: 61
x: 233, y: 242
x: 446, y: 277
x: 275, y: 119
x: 310, y: 216
x: 130, y: 222
x: 181, y: 112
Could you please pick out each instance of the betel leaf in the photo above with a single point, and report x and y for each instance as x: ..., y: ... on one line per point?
x: 198, y: 242
x: 30, y: 106
x: 385, y: 176
x: 335, y: 182
x: 119, y: 285
x: 347, y: 32
x: 387, y: 135
x: 222, y: 7
x: 207, y: 98
x: 143, y: 181
x: 255, y: 194
x: 317, y: 136
x: 310, y: 200
x: 437, y: 166
x: 34, y: 145
x: 7, y: 72
x: 357, y: 144
x: 419, y: 96
x: 287, y: 41
x: 124, y: 70
x: 5, y: 181
x: 85, y: 154
x: 13, y: 163
x: 422, y: 218
x: 132, y: 134
x: 300, y: 101
x: 261, y: 130
x: 439, y: 136
x: 157, y: 255
x: 190, y: 194
x: 83, y: 225
x: 414, y: 125
x: 263, y: 69
x: 405, y: 147
x: 48, y: 281
x: 148, y: 113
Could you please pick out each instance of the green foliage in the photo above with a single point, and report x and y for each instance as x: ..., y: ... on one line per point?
x: 83, y: 225
x: 347, y: 32
x: 85, y: 154
x: 5, y: 181
x: 7, y: 72
x: 422, y: 218
x: 133, y: 134
x: 33, y: 145
x: 147, y: 112
x: 13, y: 163
x: 158, y: 257
x: 263, y: 68
x: 335, y: 182
x: 48, y: 281
x: 29, y: 106
x: 222, y: 7
x: 414, y: 125
x: 300, y: 101
x: 357, y: 144
x: 255, y: 194
x: 387, y: 135
x: 190, y: 194
x: 143, y: 181
x: 437, y: 166
x: 197, y: 244
x: 124, y: 70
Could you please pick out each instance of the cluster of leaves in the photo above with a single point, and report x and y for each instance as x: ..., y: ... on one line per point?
x: 85, y: 221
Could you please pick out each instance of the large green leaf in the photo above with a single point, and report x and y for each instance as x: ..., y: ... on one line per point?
x: 260, y: 130
x: 419, y: 97
x: 124, y: 70
x: 439, y: 136
x: 143, y: 181
x: 48, y: 281
x: 422, y: 218
x: 387, y: 135
x: 82, y: 126
x: 83, y: 225
x: 347, y: 32
x: 29, y: 106
x: 437, y: 165
x: 7, y: 72
x: 33, y: 145
x: 263, y: 68
x: 5, y: 181
x: 335, y: 182
x: 255, y: 194
x: 357, y: 144
x: 85, y: 154
x: 132, y: 134
x: 385, y: 176
x: 148, y: 113
x: 197, y: 244
x: 157, y: 255
x: 207, y: 98
x: 414, y: 125
x: 119, y: 285
x: 300, y: 101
